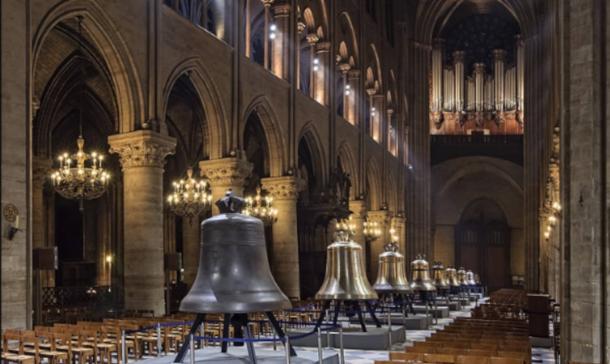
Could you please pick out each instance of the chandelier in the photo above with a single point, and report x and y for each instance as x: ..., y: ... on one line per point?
x: 371, y: 230
x: 261, y: 207
x: 80, y: 176
x: 191, y: 197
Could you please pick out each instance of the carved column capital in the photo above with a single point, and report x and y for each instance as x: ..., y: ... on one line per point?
x: 142, y: 148
x: 381, y: 216
x: 281, y: 188
x: 226, y: 172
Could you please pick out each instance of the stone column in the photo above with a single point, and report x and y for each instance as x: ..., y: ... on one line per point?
x: 312, y: 40
x: 398, y: 222
x: 381, y: 217
x: 320, y: 88
x: 377, y: 118
x: 225, y: 174
x: 285, y: 260
x: 353, y: 80
x: 142, y: 154
x: 358, y: 209
x: 266, y: 43
x: 40, y: 175
x: 190, y: 248
x: 280, y: 45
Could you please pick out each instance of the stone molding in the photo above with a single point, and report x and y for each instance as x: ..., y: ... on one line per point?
x: 358, y: 208
x: 381, y: 216
x: 41, y: 169
x: 281, y: 188
x: 142, y: 148
x: 226, y: 172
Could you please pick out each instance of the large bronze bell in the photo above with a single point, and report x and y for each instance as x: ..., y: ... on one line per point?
x: 439, y: 277
x: 470, y: 278
x: 461, y: 276
x: 391, y: 276
x: 452, y: 277
x: 345, y: 277
x: 234, y: 274
x: 421, y: 281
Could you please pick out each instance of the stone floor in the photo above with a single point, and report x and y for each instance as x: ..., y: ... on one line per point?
x: 539, y: 355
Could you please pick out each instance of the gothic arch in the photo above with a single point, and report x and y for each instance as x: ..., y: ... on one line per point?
x: 107, y: 40
x: 376, y: 64
x: 348, y: 162
x: 208, y: 94
x: 274, y: 135
x: 347, y: 27
x: 311, y: 137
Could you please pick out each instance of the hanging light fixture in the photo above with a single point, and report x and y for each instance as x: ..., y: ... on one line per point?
x: 261, y: 207
x: 371, y: 230
x: 191, y: 197
x: 80, y: 176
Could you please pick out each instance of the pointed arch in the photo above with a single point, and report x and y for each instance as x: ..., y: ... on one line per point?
x: 348, y: 162
x: 208, y: 96
x: 347, y: 27
x: 311, y: 137
x: 274, y: 134
x: 113, y: 49
x: 376, y: 64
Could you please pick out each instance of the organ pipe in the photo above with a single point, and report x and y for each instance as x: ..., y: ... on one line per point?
x: 458, y: 71
x: 437, y: 75
x: 520, y: 72
x: 479, y: 79
x: 499, y: 55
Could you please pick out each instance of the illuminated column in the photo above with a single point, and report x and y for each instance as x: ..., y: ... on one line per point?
x: 353, y: 79
x: 285, y: 259
x: 344, y: 68
x: 314, y: 63
x: 499, y: 55
x: 248, y: 29
x: 358, y: 209
x: 458, y: 72
x: 378, y: 118
x: 390, y: 131
x: 437, y: 80
x: 280, y: 41
x: 266, y: 43
x: 142, y: 154
x: 381, y: 217
x: 479, y: 79
x: 224, y: 174
x: 320, y: 87
x: 301, y: 29
x: 520, y: 77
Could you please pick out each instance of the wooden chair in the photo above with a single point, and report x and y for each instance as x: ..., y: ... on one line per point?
x: 19, y: 357
x: 31, y: 346
x: 504, y: 360
x: 439, y: 358
x: 472, y: 359
x: 397, y: 355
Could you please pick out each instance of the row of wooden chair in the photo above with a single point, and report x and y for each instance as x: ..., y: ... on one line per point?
x: 397, y: 357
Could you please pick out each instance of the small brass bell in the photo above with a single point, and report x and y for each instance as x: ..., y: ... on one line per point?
x: 234, y: 274
x: 470, y: 278
x: 439, y: 277
x: 345, y: 277
x: 451, y: 274
x: 461, y: 276
x: 391, y: 277
x: 420, y: 270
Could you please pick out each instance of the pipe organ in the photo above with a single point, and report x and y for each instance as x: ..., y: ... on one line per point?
x: 483, y: 97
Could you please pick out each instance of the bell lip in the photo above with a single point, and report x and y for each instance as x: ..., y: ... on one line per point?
x: 391, y: 289
x: 346, y: 297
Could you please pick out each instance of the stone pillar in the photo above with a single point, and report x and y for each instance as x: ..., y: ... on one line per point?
x: 266, y: 43
x: 381, y: 217
x: 321, y: 75
x: 40, y: 175
x: 285, y: 260
x: 312, y: 40
x: 377, y: 119
x: 398, y: 223
x: 190, y: 248
x: 225, y: 174
x: 142, y: 154
x: 280, y: 45
x: 344, y: 68
x: 353, y: 80
x: 358, y: 209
